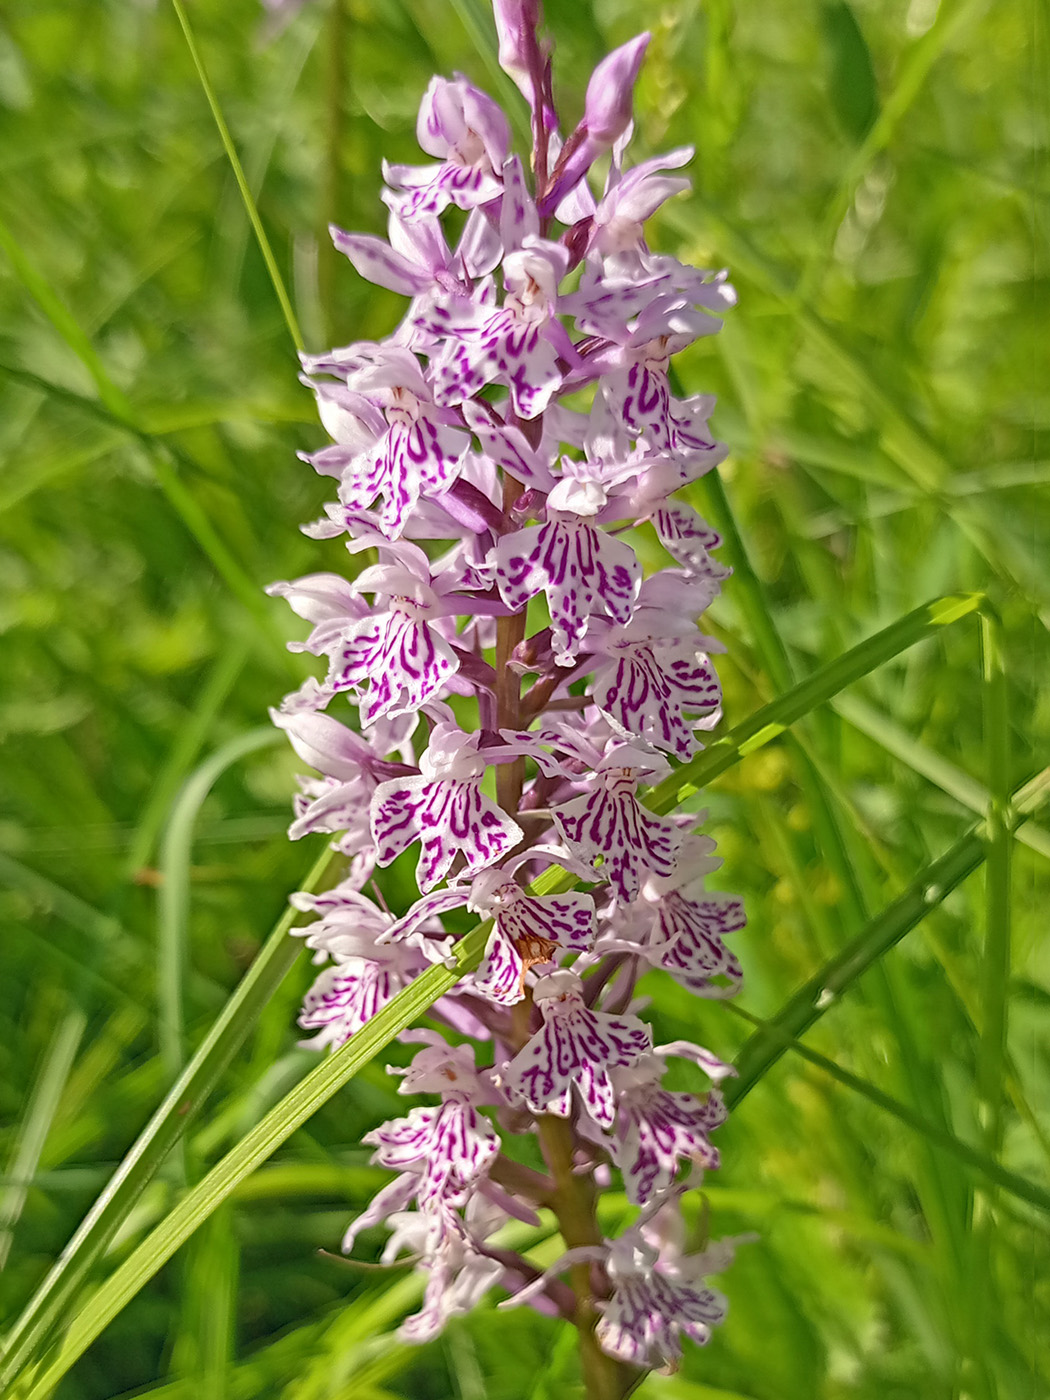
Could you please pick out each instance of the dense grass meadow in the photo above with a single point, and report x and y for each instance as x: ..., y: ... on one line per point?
x: 874, y: 174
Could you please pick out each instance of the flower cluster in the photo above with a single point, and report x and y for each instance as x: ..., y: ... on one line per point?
x: 517, y: 677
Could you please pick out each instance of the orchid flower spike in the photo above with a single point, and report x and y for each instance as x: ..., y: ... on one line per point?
x: 502, y: 684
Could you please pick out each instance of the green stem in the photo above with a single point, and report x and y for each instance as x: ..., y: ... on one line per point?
x: 241, y: 178
x: 572, y: 1202
x: 53, y: 1298
x: 336, y: 65
x: 929, y: 890
x: 173, y: 904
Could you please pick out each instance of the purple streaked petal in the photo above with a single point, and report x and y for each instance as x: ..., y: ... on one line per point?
x: 345, y: 997
x: 449, y: 819
x: 423, y: 912
x: 610, y: 831
x: 575, y: 1049
x: 578, y: 567
x: 644, y: 690
x: 500, y: 978
x: 398, y: 661
x: 377, y: 262
x: 451, y: 1146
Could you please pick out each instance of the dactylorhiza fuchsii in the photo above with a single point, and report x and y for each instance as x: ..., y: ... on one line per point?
x: 517, y: 678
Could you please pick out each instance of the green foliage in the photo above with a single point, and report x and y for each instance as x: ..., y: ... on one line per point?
x: 873, y: 175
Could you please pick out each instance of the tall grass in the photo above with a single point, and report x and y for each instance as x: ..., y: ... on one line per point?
x: 875, y: 177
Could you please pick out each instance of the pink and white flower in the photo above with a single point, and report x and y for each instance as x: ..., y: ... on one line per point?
x: 572, y: 1055
x: 513, y: 681
x: 444, y: 809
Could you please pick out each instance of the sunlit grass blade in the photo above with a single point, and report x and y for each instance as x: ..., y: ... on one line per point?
x: 204, y: 1345
x: 242, y: 182
x: 173, y: 905
x: 255, y: 1148
x: 40, y: 1113
x: 773, y: 719
x: 984, y: 1166
x: 51, y: 1302
x: 929, y: 889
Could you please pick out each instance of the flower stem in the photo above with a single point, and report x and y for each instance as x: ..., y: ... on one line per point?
x: 332, y: 190
x: 572, y: 1197
x: 573, y: 1204
x: 510, y: 632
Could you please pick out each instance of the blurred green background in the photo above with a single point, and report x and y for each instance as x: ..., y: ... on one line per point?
x: 874, y: 174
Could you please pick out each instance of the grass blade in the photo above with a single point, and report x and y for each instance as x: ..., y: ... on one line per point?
x: 981, y: 1162
x: 254, y: 1149
x: 934, y: 767
x: 242, y: 181
x: 174, y: 898
x: 773, y: 719
x: 929, y: 889
x: 40, y: 1114
x: 53, y: 1298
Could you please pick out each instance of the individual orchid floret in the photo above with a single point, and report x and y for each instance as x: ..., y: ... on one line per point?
x: 618, y: 225
x: 689, y: 927
x: 444, y: 809
x: 609, y: 830
x: 622, y: 276
x: 638, y: 392
x: 417, y: 262
x: 689, y: 540
x: 655, y: 669
x: 468, y: 134
x: 520, y: 345
x: 451, y: 1146
x: 652, y: 1298
x: 348, y: 994
x: 348, y: 925
x: 448, y: 1251
x: 412, y: 452
x: 650, y: 1306
x: 656, y: 1130
x: 582, y: 570
x: 350, y: 768
x: 575, y: 1049
x: 608, y: 109
x: 399, y: 655
x: 527, y: 930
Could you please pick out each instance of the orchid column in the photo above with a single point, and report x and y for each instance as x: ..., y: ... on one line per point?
x: 517, y: 679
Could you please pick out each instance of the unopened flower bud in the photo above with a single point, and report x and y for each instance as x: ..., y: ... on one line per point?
x: 516, y: 24
x: 609, y: 106
x: 608, y: 111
